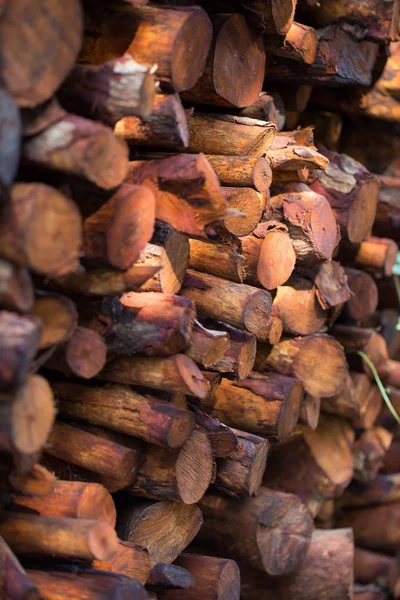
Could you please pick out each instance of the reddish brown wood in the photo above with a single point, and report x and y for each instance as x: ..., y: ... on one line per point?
x: 131, y: 560
x: 299, y: 44
x: 364, y: 301
x: 242, y: 171
x: 207, y: 346
x: 238, y: 359
x: 223, y: 440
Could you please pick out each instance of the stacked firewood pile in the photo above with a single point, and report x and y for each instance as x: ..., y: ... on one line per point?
x: 190, y: 267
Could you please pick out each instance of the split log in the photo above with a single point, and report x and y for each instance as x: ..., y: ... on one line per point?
x: 29, y: 70
x: 165, y: 128
x: 58, y: 536
x: 108, y: 92
x: 347, y: 403
x: 221, y: 260
x: 368, y: 452
x: 170, y: 576
x: 38, y: 482
x: 329, y: 68
x: 239, y: 305
x: 223, y: 440
x: 15, y: 582
x: 92, y: 452
x: 207, y: 346
x: 16, y: 288
x: 58, y: 317
x: 103, y: 281
x: 131, y: 560
x: 84, y: 355
x: 304, y: 464
x: 311, y: 223
x: 229, y: 135
x: 364, y: 300
x: 242, y: 171
x: 164, y: 528
x: 263, y: 404
x: 352, y: 193
x: 120, y: 408
x: 371, y: 567
x: 380, y: 21
x: 299, y: 44
x: 373, y: 526
x: 81, y: 147
x: 231, y: 78
x: 86, y: 584
x: 240, y: 473
x: 182, y: 475
x: 326, y: 572
x: 215, y: 579
x: 238, y: 359
x: 317, y: 360
x: 187, y: 191
x: 25, y: 437
x: 247, y: 201
x: 383, y: 489
x: 28, y: 241
x: 271, y: 532
x: 177, y: 373
x: 11, y: 131
x: 176, y: 40
x: 118, y: 231
x: 269, y: 106
x: 19, y: 341
x: 72, y: 499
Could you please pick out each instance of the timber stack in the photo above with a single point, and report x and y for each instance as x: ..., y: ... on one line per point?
x: 198, y: 300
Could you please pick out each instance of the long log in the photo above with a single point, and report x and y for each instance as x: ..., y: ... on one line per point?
x: 368, y: 452
x: 84, y: 355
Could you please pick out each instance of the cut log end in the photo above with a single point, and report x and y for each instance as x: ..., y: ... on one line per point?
x: 247, y: 201
x: 290, y: 411
x: 362, y: 212
x: 85, y: 353
x: 180, y: 430
x: 257, y: 313
x: 277, y: 259
x: 193, y: 483
x: 102, y: 541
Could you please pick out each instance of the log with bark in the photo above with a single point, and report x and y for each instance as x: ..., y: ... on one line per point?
x: 269, y: 106
x: 371, y: 567
x: 242, y: 171
x: 207, y: 346
x: 131, y: 560
x: 373, y: 526
x: 299, y: 44
x: 374, y: 255
x: 238, y: 359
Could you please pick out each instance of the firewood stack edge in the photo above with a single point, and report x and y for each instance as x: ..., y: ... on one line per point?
x: 198, y: 255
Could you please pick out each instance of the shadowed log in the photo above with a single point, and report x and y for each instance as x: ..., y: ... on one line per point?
x: 131, y: 560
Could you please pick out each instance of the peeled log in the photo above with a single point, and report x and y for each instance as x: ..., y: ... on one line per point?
x: 231, y: 78
x: 226, y: 134
x: 29, y: 70
x: 207, y: 346
x: 352, y: 193
x: 27, y: 239
x: 263, y: 404
x: 271, y: 532
x: 164, y: 528
x: 271, y: 17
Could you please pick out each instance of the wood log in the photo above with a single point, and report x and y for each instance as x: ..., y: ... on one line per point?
x: 11, y: 131
x: 310, y: 411
x: 16, y: 583
x: 177, y: 373
x: 269, y: 106
x: 170, y: 576
x: 295, y: 158
x: 84, y: 355
x: 221, y: 260
x: 73, y: 499
x: 182, y: 475
x: 245, y: 530
x: 352, y: 193
x: 247, y: 201
x: 242, y: 171
x: 391, y: 459
x: 166, y: 127
x: 35, y: 120
x: 376, y: 255
x: 231, y: 79
x: 240, y: 305
x: 364, y: 300
x: 187, y: 191
x: 207, y: 346
x: 347, y: 403
x: 223, y: 440
x: 176, y: 40
x: 58, y: 318
x: 240, y: 473
x: 16, y: 288
x: 131, y: 560
x: 370, y: 399
x: 81, y: 147
x: 270, y: 17
x: 294, y: 357
x: 92, y: 452
x: 124, y: 410
x: 373, y: 526
x: 118, y: 232
x: 326, y: 572
x: 25, y: 437
x: 311, y: 223
x: 27, y: 241
x: 304, y: 465
x: 164, y: 528
x: 383, y: 489
x: 81, y: 584
x: 329, y: 67
x: 19, y: 342
x: 229, y: 135
x: 29, y: 70
x: 299, y: 44
x: 58, y: 536
x: 108, y: 92
x: 368, y: 452
x: 387, y: 223
x: 263, y: 404
x: 371, y: 567
x: 379, y: 21
x: 215, y: 579
x: 38, y: 482
x: 238, y: 360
